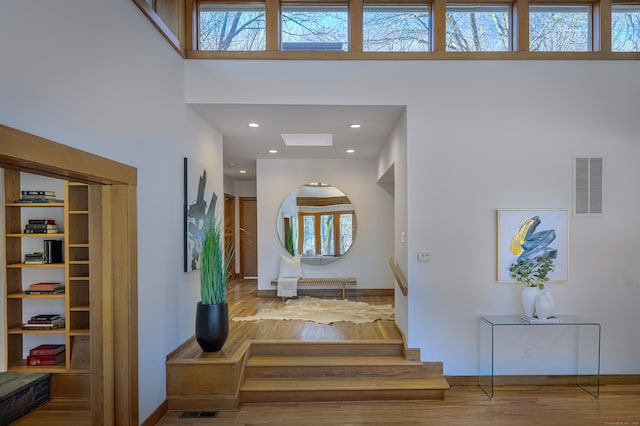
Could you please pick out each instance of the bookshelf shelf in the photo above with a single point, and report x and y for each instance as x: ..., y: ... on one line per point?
x: 60, y: 330
x: 79, y: 332
x: 35, y: 265
x: 34, y: 204
x: 22, y: 367
x: 58, y: 235
x: 35, y: 296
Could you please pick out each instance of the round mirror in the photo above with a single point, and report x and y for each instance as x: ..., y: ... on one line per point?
x: 318, y: 222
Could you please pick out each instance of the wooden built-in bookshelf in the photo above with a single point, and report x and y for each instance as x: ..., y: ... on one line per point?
x: 72, y: 216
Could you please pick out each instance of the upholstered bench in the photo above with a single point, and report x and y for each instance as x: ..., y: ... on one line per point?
x: 325, y: 282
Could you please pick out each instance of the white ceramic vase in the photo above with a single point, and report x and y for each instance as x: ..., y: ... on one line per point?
x: 529, y: 296
x: 544, y: 305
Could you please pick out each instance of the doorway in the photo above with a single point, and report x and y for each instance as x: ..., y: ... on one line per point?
x: 248, y: 238
x: 230, y: 230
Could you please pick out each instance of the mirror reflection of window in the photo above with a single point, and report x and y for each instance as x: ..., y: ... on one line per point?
x: 325, y: 223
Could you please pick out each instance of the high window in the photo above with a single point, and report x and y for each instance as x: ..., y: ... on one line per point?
x: 314, y: 28
x: 231, y: 27
x: 396, y: 28
x: 625, y: 28
x: 478, y: 28
x: 559, y: 28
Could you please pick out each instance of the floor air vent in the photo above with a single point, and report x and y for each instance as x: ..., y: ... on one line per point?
x: 198, y: 414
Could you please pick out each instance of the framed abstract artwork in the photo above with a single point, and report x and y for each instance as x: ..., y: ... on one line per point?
x: 199, y: 207
x: 528, y: 234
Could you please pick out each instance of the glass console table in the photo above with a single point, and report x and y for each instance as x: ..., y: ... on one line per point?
x: 587, y: 349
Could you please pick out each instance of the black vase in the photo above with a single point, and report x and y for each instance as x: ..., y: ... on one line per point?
x: 212, y: 326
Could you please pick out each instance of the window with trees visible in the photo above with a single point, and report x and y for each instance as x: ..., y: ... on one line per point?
x: 625, y: 28
x: 559, y: 28
x: 325, y: 234
x: 314, y: 28
x: 231, y: 27
x: 478, y: 28
x: 396, y: 28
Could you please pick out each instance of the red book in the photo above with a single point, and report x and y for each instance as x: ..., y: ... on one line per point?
x: 47, y: 350
x: 45, y: 359
x: 44, y: 286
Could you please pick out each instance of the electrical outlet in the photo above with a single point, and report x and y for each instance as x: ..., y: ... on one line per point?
x: 423, y: 257
x: 528, y: 352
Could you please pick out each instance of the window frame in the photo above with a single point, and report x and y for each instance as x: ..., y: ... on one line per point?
x: 601, y: 43
x: 317, y: 231
x: 592, y: 38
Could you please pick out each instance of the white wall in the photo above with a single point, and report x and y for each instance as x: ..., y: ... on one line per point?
x: 393, y: 160
x: 369, y: 254
x: 96, y: 75
x: 483, y: 135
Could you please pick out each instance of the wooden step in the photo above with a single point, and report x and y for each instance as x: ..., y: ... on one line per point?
x: 334, y: 366
x: 362, y: 348
x: 342, y: 389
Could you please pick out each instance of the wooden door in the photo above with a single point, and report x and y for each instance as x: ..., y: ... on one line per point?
x: 230, y: 229
x: 248, y: 237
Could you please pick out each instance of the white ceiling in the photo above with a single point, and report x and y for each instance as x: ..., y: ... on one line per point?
x: 243, y: 144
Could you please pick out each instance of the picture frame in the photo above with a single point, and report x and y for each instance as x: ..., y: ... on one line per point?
x: 199, y: 207
x: 552, y: 223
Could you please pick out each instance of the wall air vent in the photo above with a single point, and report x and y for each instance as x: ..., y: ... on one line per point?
x: 587, y: 189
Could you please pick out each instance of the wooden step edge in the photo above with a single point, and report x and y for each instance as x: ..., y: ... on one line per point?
x: 330, y: 361
x: 327, y: 342
x: 351, y: 384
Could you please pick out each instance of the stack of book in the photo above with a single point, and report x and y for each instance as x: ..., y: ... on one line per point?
x: 38, y: 196
x: 41, y: 226
x: 46, y: 355
x: 45, y: 288
x: 35, y: 258
x: 44, y: 322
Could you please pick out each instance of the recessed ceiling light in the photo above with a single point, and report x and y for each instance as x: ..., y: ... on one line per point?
x: 351, y: 151
x: 254, y: 125
x: 273, y: 151
x: 243, y: 171
x: 354, y: 126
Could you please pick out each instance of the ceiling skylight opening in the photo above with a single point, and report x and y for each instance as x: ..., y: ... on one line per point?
x: 307, y: 139
x: 254, y: 125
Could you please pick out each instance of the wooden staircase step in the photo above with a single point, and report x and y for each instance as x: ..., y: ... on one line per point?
x: 328, y: 348
x: 342, y: 389
x: 333, y: 366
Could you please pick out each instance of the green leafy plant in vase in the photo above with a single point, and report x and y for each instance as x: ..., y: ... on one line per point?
x: 533, y: 273
x: 212, y: 314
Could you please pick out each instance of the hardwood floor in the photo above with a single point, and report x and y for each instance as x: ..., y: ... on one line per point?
x: 463, y: 405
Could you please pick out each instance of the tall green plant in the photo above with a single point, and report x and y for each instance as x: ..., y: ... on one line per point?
x: 288, y: 240
x: 214, y: 267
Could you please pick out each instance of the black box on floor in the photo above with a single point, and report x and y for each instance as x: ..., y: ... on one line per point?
x: 21, y: 393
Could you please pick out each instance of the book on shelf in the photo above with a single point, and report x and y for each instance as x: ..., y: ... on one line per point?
x: 48, y: 317
x: 55, y: 230
x: 37, y: 200
x: 36, y: 226
x: 46, y: 359
x: 53, y: 291
x: 47, y: 349
x: 49, y: 321
x: 45, y: 286
x: 34, y: 258
x: 535, y: 320
x: 41, y: 222
x: 42, y: 326
x: 52, y: 251
x: 37, y: 192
